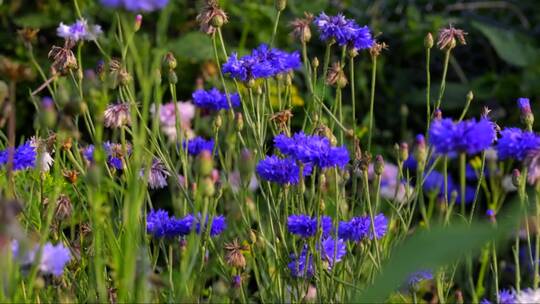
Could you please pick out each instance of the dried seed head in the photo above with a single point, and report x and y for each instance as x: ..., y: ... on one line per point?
x: 336, y: 76
x: 449, y: 37
x: 63, y: 208
x: 211, y: 17
x: 28, y: 35
x: 63, y: 59
x: 117, y: 115
x: 282, y: 118
x: 234, y: 256
x: 301, y: 29
x: 70, y: 176
x: 377, y: 48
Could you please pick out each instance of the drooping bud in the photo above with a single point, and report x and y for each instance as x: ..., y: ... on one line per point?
x: 379, y: 165
x: 138, y: 22
x: 428, y: 41
x: 280, y: 4
x: 336, y: 76
x: 205, y: 163
x: 527, y: 116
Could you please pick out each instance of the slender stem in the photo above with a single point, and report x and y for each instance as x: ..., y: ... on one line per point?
x: 372, y: 99
x: 443, y: 80
x: 428, y: 88
x: 352, y: 82
x: 274, y: 31
x: 462, y: 175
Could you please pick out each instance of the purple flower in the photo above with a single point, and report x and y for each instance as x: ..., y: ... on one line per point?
x: 505, y: 296
x: 380, y: 225
x: 344, y: 31
x: 80, y: 30
x: 516, y: 143
x: 524, y: 105
x: 469, y: 136
x: 136, y: 5
x: 218, y: 225
x: 333, y: 251
x: 281, y: 171
x: 24, y: 157
x: 419, y: 276
x: 215, y: 100
x: 306, y: 226
x: 54, y: 259
x: 198, y: 144
x: 157, y: 177
x: 116, y: 154
x: 312, y: 149
x: 159, y: 224
x: 301, y: 266
x: 263, y: 62
x: 359, y: 228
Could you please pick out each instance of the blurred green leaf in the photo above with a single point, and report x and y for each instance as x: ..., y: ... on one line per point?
x: 511, y: 46
x: 433, y: 249
x: 194, y: 45
x: 298, y: 7
x: 454, y: 96
x: 37, y: 20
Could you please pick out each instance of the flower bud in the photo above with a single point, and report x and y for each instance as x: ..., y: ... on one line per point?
x: 437, y: 114
x: 527, y: 116
x: 239, y: 122
x: 403, y: 151
x: 315, y: 63
x: 138, y: 22
x: 172, y: 78
x: 379, y: 165
x: 169, y: 61
x: 428, y: 41
x: 217, y: 21
x: 207, y: 187
x: 420, y: 152
x: 470, y: 96
x: 280, y: 4
x: 205, y: 163
x: 218, y: 122
x: 516, y: 178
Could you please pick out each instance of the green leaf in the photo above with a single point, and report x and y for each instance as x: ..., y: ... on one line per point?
x: 433, y: 249
x: 511, y: 46
x: 37, y: 20
x: 194, y: 45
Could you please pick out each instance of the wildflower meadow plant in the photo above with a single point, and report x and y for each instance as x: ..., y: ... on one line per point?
x: 241, y: 164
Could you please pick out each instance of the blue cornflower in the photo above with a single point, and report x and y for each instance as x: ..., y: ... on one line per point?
x: 419, y: 276
x: 181, y: 226
x: 136, y: 5
x: 333, y: 251
x: 306, y: 226
x: 380, y: 225
x: 344, y: 31
x: 312, y: 149
x: 354, y: 230
x: 115, y: 154
x: 198, y: 144
x: 281, y: 171
x: 80, y: 30
x: 218, y: 224
x: 88, y: 153
x: 54, y: 259
x: 24, y: 157
x: 214, y: 99
x: 469, y: 136
x: 434, y: 184
x: 524, y: 105
x: 160, y: 224
x: 505, y: 296
x: 263, y: 62
x: 516, y: 143
x: 301, y: 266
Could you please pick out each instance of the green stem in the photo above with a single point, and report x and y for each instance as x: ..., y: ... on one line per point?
x: 443, y: 80
x: 372, y: 99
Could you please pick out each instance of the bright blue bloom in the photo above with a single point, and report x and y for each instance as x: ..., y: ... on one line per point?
x: 198, y: 144
x: 524, y: 104
x: 136, y: 5
x: 469, y: 136
x: 24, y: 157
x: 506, y: 296
x: 115, y: 154
x: 54, y: 259
x: 88, y: 153
x: 485, y: 301
x: 516, y: 143
x: 263, y: 62
x: 306, y: 226
x: 312, y: 149
x: 419, y: 276
x: 354, y: 230
x: 281, y: 171
x: 214, y: 99
x: 158, y: 223
x: 301, y: 266
x: 380, y: 224
x: 434, y: 183
x: 333, y: 251
x: 344, y: 31
x: 181, y: 226
x: 80, y: 30
x: 218, y: 224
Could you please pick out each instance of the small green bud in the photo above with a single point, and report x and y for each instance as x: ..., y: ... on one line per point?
x: 428, y: 41
x: 169, y: 61
x: 281, y: 5
x: 379, y: 165
x: 171, y: 77
x: 239, y: 122
x: 315, y: 63
x: 207, y: 187
x: 205, y: 163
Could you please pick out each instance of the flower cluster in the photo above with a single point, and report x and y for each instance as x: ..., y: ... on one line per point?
x: 215, y: 100
x: 80, y: 30
x: 346, y: 32
x: 263, y: 62
x: 24, y: 157
x: 516, y: 144
x: 306, y: 226
x: 136, y: 5
x: 196, y: 145
x: 159, y: 224
x: 359, y: 228
x: 469, y: 136
x: 282, y: 171
x: 53, y: 257
x: 313, y: 150
x: 331, y: 251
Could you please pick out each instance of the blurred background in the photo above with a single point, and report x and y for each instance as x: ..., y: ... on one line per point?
x: 500, y: 62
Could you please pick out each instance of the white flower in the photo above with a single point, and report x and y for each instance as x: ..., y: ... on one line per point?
x: 528, y: 296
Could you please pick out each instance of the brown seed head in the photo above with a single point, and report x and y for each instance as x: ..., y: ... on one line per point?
x: 448, y: 38
x: 301, y: 29
x: 211, y: 17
